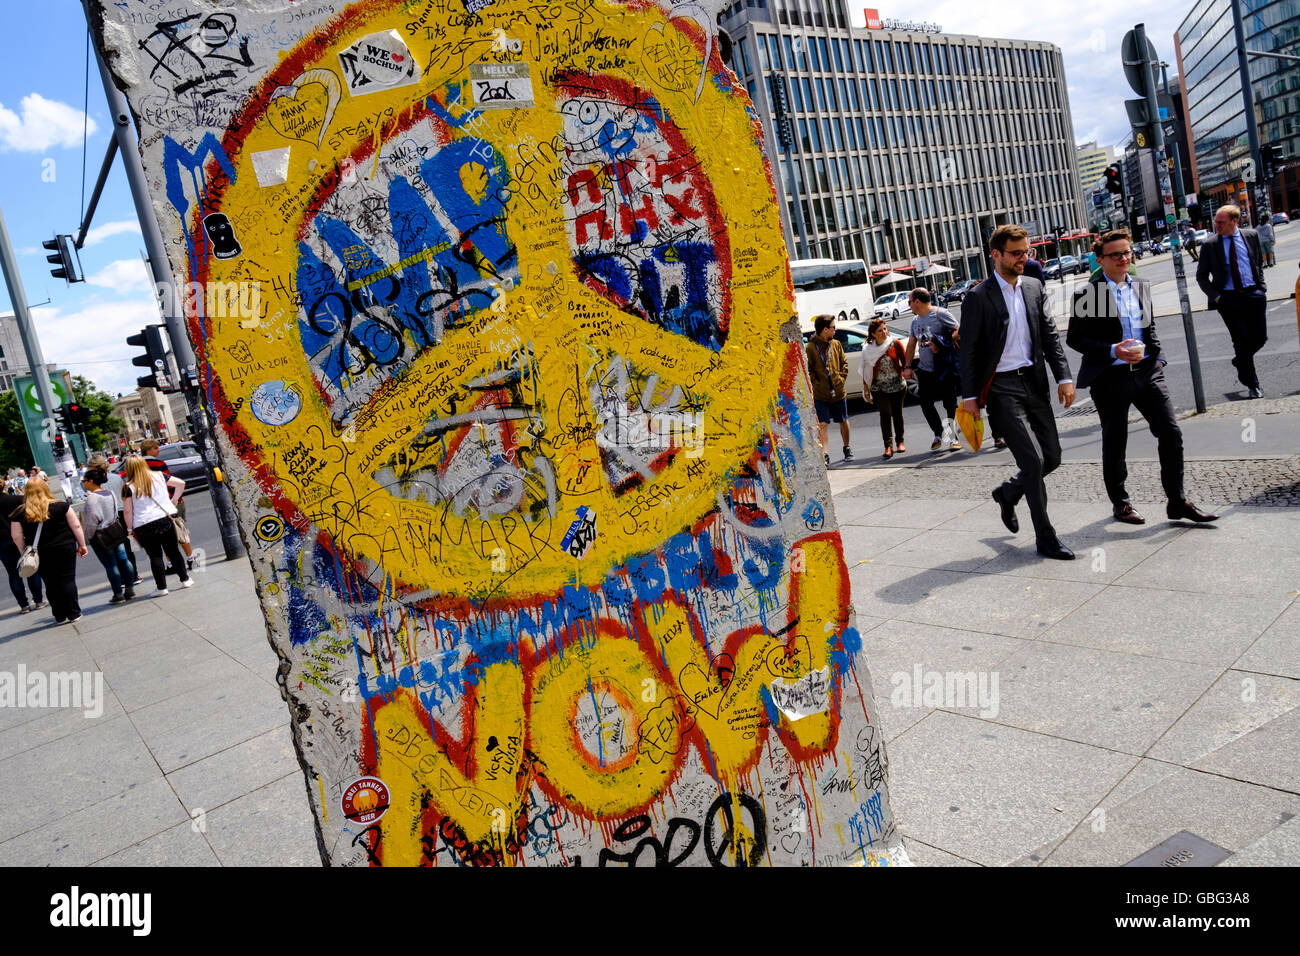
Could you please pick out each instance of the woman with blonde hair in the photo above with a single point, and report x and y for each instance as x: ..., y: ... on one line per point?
x: 55, y: 530
x: 148, y: 509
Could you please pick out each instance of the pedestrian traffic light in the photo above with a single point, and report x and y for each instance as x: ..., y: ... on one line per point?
x: 65, y: 257
x: 76, y: 415
x: 1273, y: 155
x: 153, y: 340
x: 1114, y: 183
x: 59, y: 448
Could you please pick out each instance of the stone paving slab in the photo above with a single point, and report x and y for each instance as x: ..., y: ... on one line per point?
x: 1237, y: 704
x: 1277, y: 651
x: 984, y: 792
x: 272, y: 826
x: 1229, y: 813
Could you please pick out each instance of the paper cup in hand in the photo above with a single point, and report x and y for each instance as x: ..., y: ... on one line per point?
x: 1140, y: 349
x: 970, y: 430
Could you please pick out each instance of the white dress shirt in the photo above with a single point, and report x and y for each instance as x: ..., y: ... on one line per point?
x: 1019, y: 350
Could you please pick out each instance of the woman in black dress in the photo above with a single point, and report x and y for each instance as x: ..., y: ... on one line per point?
x: 61, y: 543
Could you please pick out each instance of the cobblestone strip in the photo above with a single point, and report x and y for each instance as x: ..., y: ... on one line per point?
x: 1261, y: 482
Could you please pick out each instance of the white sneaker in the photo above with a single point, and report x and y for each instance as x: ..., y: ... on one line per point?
x: 187, y: 583
x: 160, y: 592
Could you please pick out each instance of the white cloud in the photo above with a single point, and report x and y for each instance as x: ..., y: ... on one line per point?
x: 1089, y: 36
x: 91, y: 341
x: 98, y: 234
x: 123, y: 276
x: 43, y: 123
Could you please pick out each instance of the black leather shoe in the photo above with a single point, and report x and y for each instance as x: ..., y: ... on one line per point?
x: 1189, y: 511
x: 1254, y: 393
x: 1128, y: 515
x: 1054, y: 549
x: 1008, y: 511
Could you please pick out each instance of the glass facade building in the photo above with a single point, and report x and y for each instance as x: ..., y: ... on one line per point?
x: 896, y: 145
x: 1207, y: 60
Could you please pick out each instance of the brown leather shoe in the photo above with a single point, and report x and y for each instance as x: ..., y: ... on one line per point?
x: 1128, y: 515
x: 1185, y: 509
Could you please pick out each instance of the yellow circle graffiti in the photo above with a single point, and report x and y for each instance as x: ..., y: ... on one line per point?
x: 520, y: 289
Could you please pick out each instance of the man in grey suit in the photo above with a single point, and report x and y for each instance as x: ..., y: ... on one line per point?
x: 1113, y: 324
x: 1234, y: 284
x: 1007, y: 340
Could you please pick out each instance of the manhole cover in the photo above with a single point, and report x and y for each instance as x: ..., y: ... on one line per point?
x: 1182, y: 849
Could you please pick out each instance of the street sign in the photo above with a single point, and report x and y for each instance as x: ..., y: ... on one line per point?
x: 1170, y: 219
x: 1104, y: 224
x: 1137, y: 62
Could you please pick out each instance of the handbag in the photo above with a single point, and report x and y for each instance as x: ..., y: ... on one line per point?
x: 30, y: 562
x: 111, y: 535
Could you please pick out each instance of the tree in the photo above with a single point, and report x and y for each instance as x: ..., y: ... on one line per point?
x: 14, y: 452
x: 103, y: 424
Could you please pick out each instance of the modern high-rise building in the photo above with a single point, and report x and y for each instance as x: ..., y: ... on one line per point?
x: 13, y: 357
x: 898, y: 143
x: 1207, y: 60
x: 1092, y: 160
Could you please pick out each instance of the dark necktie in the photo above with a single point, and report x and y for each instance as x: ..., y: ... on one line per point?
x: 1232, y: 263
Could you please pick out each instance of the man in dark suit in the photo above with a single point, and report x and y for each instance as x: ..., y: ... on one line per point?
x: 1007, y: 338
x: 1112, y: 323
x: 1234, y: 284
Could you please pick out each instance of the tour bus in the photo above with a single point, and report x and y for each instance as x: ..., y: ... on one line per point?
x: 841, y: 289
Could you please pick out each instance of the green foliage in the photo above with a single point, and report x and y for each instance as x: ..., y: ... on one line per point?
x: 14, y: 452
x: 103, y: 424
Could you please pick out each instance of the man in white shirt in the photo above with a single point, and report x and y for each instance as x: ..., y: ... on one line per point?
x: 1007, y: 340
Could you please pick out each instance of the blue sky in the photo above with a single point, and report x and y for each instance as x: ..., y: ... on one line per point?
x: 42, y: 89
x: 83, y: 328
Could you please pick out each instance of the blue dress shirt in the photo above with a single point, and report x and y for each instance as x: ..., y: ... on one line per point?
x: 1130, y: 312
x: 1237, y: 244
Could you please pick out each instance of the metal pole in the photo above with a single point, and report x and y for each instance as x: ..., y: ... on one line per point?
x: 1171, y: 211
x: 1247, y: 98
x: 160, y: 265
x: 99, y: 188
x: 31, y: 344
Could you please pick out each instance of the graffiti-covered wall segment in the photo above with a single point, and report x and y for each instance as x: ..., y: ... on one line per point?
x: 493, y: 310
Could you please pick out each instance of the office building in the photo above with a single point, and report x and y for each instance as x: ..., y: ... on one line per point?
x: 1092, y: 160
x: 13, y: 357
x: 899, y: 143
x: 1207, y: 60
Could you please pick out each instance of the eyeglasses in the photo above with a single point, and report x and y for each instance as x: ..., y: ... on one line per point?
x: 1016, y: 253
x: 1117, y: 256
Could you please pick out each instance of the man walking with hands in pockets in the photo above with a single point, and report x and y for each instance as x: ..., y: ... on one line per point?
x: 1007, y: 340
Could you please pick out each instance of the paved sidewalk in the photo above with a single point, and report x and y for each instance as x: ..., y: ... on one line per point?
x: 1156, y: 679
x: 1148, y: 687
x: 191, y: 763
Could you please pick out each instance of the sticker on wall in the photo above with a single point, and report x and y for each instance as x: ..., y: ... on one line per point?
x: 271, y: 167
x: 365, y: 800
x: 303, y: 109
x: 276, y: 403
x: 501, y: 86
x: 378, y: 61
x: 581, y: 533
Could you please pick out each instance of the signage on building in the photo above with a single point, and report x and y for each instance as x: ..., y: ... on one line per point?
x: 780, y: 110
x: 874, y: 22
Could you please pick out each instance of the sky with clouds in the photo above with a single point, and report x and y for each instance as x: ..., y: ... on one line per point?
x: 83, y: 327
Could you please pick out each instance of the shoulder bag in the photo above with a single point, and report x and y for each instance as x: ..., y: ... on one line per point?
x: 30, y: 562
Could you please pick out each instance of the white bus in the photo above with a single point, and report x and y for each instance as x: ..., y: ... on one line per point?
x: 831, y: 287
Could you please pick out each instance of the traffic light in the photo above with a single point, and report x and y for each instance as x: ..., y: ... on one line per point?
x: 61, y: 418
x: 76, y: 415
x: 1273, y: 155
x: 59, y: 448
x: 153, y: 340
x: 65, y: 257
x: 1114, y: 183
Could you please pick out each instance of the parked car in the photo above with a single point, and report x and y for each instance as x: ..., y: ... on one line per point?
x: 1202, y: 235
x: 184, y: 461
x: 1070, y: 265
x: 957, y: 292
x: 1280, y: 218
x: 894, y: 305
x: 851, y: 338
